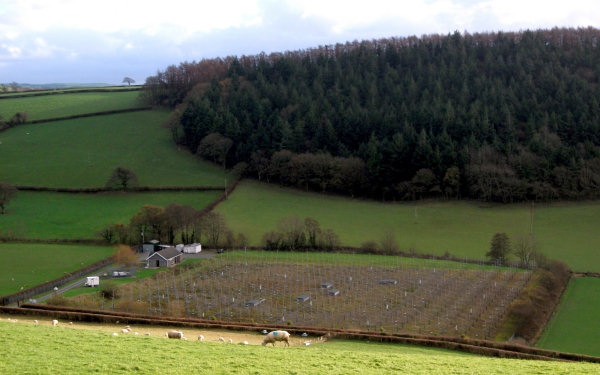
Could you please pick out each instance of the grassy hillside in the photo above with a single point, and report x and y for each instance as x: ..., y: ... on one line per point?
x: 67, y: 350
x: 65, y: 104
x: 573, y: 327
x: 566, y: 231
x: 27, y: 265
x: 84, y: 152
x: 61, y: 215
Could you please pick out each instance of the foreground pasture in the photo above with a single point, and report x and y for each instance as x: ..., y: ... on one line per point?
x: 26, y: 265
x: 573, y: 327
x: 565, y: 231
x: 43, y: 349
x: 47, y: 215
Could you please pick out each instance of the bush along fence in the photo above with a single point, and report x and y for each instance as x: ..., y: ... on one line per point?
x: 23, y: 295
x: 481, y: 347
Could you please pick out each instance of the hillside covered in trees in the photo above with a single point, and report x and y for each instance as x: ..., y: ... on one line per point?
x: 495, y: 116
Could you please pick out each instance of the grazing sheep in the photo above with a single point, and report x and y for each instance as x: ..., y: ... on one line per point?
x: 201, y: 338
x: 124, y: 330
x: 70, y: 323
x: 244, y: 342
x: 230, y: 341
x: 147, y: 334
x: 275, y: 336
x: 306, y: 343
x: 35, y: 322
x: 115, y: 334
x: 135, y: 333
x: 221, y: 339
x: 54, y: 323
x: 174, y: 335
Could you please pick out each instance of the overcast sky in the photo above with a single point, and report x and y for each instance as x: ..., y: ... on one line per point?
x: 85, y: 41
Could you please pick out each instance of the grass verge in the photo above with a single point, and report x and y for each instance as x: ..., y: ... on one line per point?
x: 573, y: 328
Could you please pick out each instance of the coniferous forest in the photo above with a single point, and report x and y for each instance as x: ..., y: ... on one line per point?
x: 506, y: 116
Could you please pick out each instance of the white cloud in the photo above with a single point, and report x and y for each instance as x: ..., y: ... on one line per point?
x: 138, y: 15
x: 73, y: 35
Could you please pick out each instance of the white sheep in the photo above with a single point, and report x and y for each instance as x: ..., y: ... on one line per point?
x: 115, y: 334
x: 201, y: 338
x: 35, y: 322
x: 230, y: 341
x: 54, y: 323
x: 124, y: 330
x: 244, y: 342
x: 221, y: 339
x: 174, y: 335
x: 275, y: 336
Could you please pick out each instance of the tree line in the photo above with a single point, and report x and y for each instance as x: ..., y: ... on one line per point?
x: 492, y: 116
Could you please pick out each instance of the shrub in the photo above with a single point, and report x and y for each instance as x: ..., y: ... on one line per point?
x: 109, y: 289
x: 58, y: 300
x: 369, y: 247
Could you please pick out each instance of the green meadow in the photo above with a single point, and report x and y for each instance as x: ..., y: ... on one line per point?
x: 574, y: 328
x: 42, y: 349
x: 27, y: 265
x: 83, y: 152
x: 46, y: 215
x: 565, y: 231
x: 68, y: 104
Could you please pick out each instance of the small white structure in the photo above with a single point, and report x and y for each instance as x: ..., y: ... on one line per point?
x: 92, y: 281
x: 192, y: 249
x: 179, y: 247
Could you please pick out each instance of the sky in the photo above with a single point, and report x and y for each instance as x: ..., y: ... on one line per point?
x: 91, y: 41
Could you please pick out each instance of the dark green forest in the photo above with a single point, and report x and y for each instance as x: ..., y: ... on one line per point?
x: 505, y: 116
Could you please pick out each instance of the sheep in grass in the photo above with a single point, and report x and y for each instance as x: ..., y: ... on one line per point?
x: 201, y: 338
x: 174, y: 335
x: 221, y: 339
x: 275, y: 336
x: 54, y: 323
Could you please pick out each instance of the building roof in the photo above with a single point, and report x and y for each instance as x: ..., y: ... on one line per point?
x: 168, y: 253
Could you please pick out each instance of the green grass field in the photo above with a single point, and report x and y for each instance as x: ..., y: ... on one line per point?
x: 574, y: 328
x: 83, y: 153
x: 65, y: 104
x: 27, y: 348
x: 27, y: 265
x: 566, y: 231
x: 47, y: 215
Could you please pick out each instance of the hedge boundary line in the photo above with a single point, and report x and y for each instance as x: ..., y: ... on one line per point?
x: 140, y: 189
x: 21, y: 296
x: 91, y: 114
x: 481, y: 347
x: 65, y: 91
x: 4, y: 126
